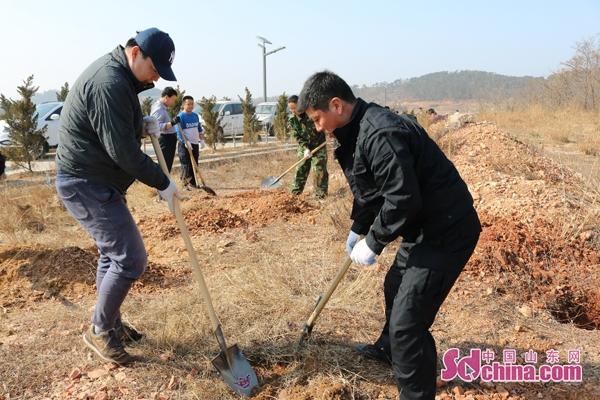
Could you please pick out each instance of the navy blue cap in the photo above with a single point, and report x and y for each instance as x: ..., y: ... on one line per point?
x: 159, y: 46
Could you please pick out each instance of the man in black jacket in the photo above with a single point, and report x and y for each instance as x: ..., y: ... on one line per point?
x: 98, y: 158
x: 403, y: 185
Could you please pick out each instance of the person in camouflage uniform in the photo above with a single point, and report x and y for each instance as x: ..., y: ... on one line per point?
x: 303, y: 130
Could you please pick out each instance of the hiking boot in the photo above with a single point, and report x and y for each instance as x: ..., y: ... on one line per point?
x: 373, y: 352
x: 127, y: 333
x: 107, y: 345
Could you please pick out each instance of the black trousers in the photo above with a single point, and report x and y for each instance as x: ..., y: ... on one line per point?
x: 168, y: 143
x: 187, y: 170
x: 415, y: 287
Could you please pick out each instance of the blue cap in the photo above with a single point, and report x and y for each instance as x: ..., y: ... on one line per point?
x: 159, y: 46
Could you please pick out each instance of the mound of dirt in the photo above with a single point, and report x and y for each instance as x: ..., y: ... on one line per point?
x: 532, y: 262
x: 218, y: 214
x: 29, y: 274
x: 510, y: 178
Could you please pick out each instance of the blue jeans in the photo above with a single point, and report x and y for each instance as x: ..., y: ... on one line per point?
x: 103, y: 213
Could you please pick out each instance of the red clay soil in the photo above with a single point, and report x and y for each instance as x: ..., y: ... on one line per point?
x: 533, y: 263
x: 29, y: 274
x: 217, y: 214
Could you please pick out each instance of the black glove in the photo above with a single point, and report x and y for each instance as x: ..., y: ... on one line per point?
x: 175, y: 120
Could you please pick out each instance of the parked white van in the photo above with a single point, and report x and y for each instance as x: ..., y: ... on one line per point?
x: 232, y: 118
x: 265, y: 114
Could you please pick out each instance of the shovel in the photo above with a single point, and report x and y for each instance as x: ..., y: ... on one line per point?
x: 231, y: 363
x: 321, y: 301
x: 195, y: 168
x: 271, y: 182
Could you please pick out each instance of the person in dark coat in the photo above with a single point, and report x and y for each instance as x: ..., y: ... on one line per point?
x: 403, y: 185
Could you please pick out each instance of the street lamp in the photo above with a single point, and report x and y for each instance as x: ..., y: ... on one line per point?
x: 265, y: 54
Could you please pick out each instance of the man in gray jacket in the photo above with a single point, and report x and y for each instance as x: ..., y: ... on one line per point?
x: 98, y: 158
x: 160, y: 111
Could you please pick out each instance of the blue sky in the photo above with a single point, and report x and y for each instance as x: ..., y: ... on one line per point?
x: 363, y: 41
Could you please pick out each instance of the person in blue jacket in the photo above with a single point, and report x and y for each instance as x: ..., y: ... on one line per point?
x: 192, y: 129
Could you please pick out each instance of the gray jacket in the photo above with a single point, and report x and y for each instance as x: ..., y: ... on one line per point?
x: 101, y: 127
x: 161, y: 113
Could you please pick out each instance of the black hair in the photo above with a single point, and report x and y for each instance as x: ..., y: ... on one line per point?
x: 320, y: 88
x: 187, y: 97
x: 293, y: 99
x: 168, y: 92
x: 132, y: 43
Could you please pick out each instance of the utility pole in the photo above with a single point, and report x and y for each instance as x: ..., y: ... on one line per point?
x: 265, y: 54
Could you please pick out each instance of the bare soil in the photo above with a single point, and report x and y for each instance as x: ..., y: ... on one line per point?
x: 532, y: 283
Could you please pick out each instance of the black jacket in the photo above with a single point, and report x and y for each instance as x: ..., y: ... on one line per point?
x: 101, y: 127
x: 402, y: 182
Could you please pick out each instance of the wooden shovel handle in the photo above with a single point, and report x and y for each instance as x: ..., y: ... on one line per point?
x: 185, y: 234
x: 319, y: 147
x: 325, y: 298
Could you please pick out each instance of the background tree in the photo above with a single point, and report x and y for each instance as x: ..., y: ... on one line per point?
x: 213, y: 130
x: 27, y: 141
x: 147, y: 105
x: 61, y: 95
x: 280, y: 123
x: 176, y: 107
x: 251, y: 124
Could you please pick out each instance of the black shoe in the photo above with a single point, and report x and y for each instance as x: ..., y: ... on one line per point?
x: 127, y: 334
x: 373, y: 352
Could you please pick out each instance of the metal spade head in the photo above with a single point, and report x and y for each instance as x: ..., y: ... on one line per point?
x: 270, y: 182
x: 236, y: 370
x: 208, y: 190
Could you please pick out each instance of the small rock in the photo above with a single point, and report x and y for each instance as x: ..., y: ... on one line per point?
x: 502, y: 392
x: 75, y: 374
x: 84, y: 396
x: 172, y: 383
x: 165, y: 357
x: 120, y: 376
x: 526, y: 311
x: 101, y: 396
x: 540, y: 395
x: 519, y: 328
x: 110, y: 366
x: 458, y: 391
x: 97, y: 373
x: 586, y: 235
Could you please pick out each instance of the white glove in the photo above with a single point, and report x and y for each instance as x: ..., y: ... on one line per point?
x: 169, y: 194
x: 362, y: 254
x: 151, y: 126
x: 351, y: 241
x: 306, y: 154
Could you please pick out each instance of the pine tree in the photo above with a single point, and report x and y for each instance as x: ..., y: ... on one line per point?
x: 280, y: 124
x: 62, y: 94
x: 213, y: 131
x: 147, y: 105
x: 27, y: 141
x: 251, y: 124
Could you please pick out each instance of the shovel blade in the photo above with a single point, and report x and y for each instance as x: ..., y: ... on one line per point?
x: 236, y: 370
x: 208, y: 190
x: 270, y: 182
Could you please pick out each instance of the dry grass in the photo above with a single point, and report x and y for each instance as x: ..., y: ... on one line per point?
x: 571, y: 136
x: 263, y: 290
